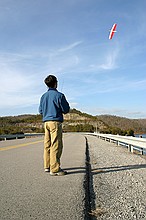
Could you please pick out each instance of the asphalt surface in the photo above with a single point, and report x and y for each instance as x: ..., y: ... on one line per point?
x: 104, y: 180
x: 27, y: 192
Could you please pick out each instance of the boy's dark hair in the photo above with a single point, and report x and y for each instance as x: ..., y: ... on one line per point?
x: 50, y: 81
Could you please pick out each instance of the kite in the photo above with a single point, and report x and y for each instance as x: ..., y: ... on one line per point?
x: 112, y: 31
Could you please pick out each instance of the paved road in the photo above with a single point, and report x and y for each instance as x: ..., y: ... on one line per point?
x: 27, y: 192
x: 108, y: 179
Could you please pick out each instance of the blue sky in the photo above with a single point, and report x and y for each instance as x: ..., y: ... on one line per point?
x: 69, y: 38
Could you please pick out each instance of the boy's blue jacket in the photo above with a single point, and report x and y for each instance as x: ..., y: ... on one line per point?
x: 53, y: 105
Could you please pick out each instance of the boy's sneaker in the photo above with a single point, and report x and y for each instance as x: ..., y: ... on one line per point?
x: 59, y: 173
x: 47, y: 170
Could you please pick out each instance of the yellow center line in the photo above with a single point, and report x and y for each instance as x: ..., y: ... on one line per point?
x: 19, y: 145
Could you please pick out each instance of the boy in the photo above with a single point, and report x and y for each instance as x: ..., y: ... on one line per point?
x: 53, y: 105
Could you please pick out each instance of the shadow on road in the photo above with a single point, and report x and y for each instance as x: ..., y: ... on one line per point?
x: 117, y: 168
x: 75, y: 170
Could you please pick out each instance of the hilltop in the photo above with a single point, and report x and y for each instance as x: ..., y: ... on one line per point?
x: 138, y: 125
x: 74, y: 121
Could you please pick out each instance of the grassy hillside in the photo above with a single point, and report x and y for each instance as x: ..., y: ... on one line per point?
x: 138, y: 125
x: 74, y: 121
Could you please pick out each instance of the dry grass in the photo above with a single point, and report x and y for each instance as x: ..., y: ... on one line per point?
x: 97, y: 171
x: 97, y: 212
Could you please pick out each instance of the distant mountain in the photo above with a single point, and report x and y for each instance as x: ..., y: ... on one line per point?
x: 74, y: 121
x: 138, y: 125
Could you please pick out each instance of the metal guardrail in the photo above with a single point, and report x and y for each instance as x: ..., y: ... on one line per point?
x: 18, y: 136
x: 132, y: 143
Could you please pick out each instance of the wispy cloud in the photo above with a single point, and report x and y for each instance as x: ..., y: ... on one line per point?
x: 70, y: 47
x: 90, y: 86
x: 136, y: 84
x: 121, y: 85
x: 17, y: 85
x: 12, y: 58
x: 110, y: 61
x: 116, y: 111
x: 10, y: 100
x: 109, y: 111
x: 64, y: 49
x: 13, y: 81
x: 107, y: 59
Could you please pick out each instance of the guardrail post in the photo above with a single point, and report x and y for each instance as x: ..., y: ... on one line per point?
x: 118, y: 143
x: 129, y: 147
x: 111, y: 140
x: 142, y: 151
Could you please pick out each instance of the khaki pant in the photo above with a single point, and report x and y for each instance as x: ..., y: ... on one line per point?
x: 52, y: 145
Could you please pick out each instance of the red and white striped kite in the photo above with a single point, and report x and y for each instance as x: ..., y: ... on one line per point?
x: 112, y: 31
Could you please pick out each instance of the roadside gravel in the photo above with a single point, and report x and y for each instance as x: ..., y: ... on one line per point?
x: 118, y: 181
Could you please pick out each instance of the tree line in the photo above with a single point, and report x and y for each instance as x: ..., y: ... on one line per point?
x: 78, y: 122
